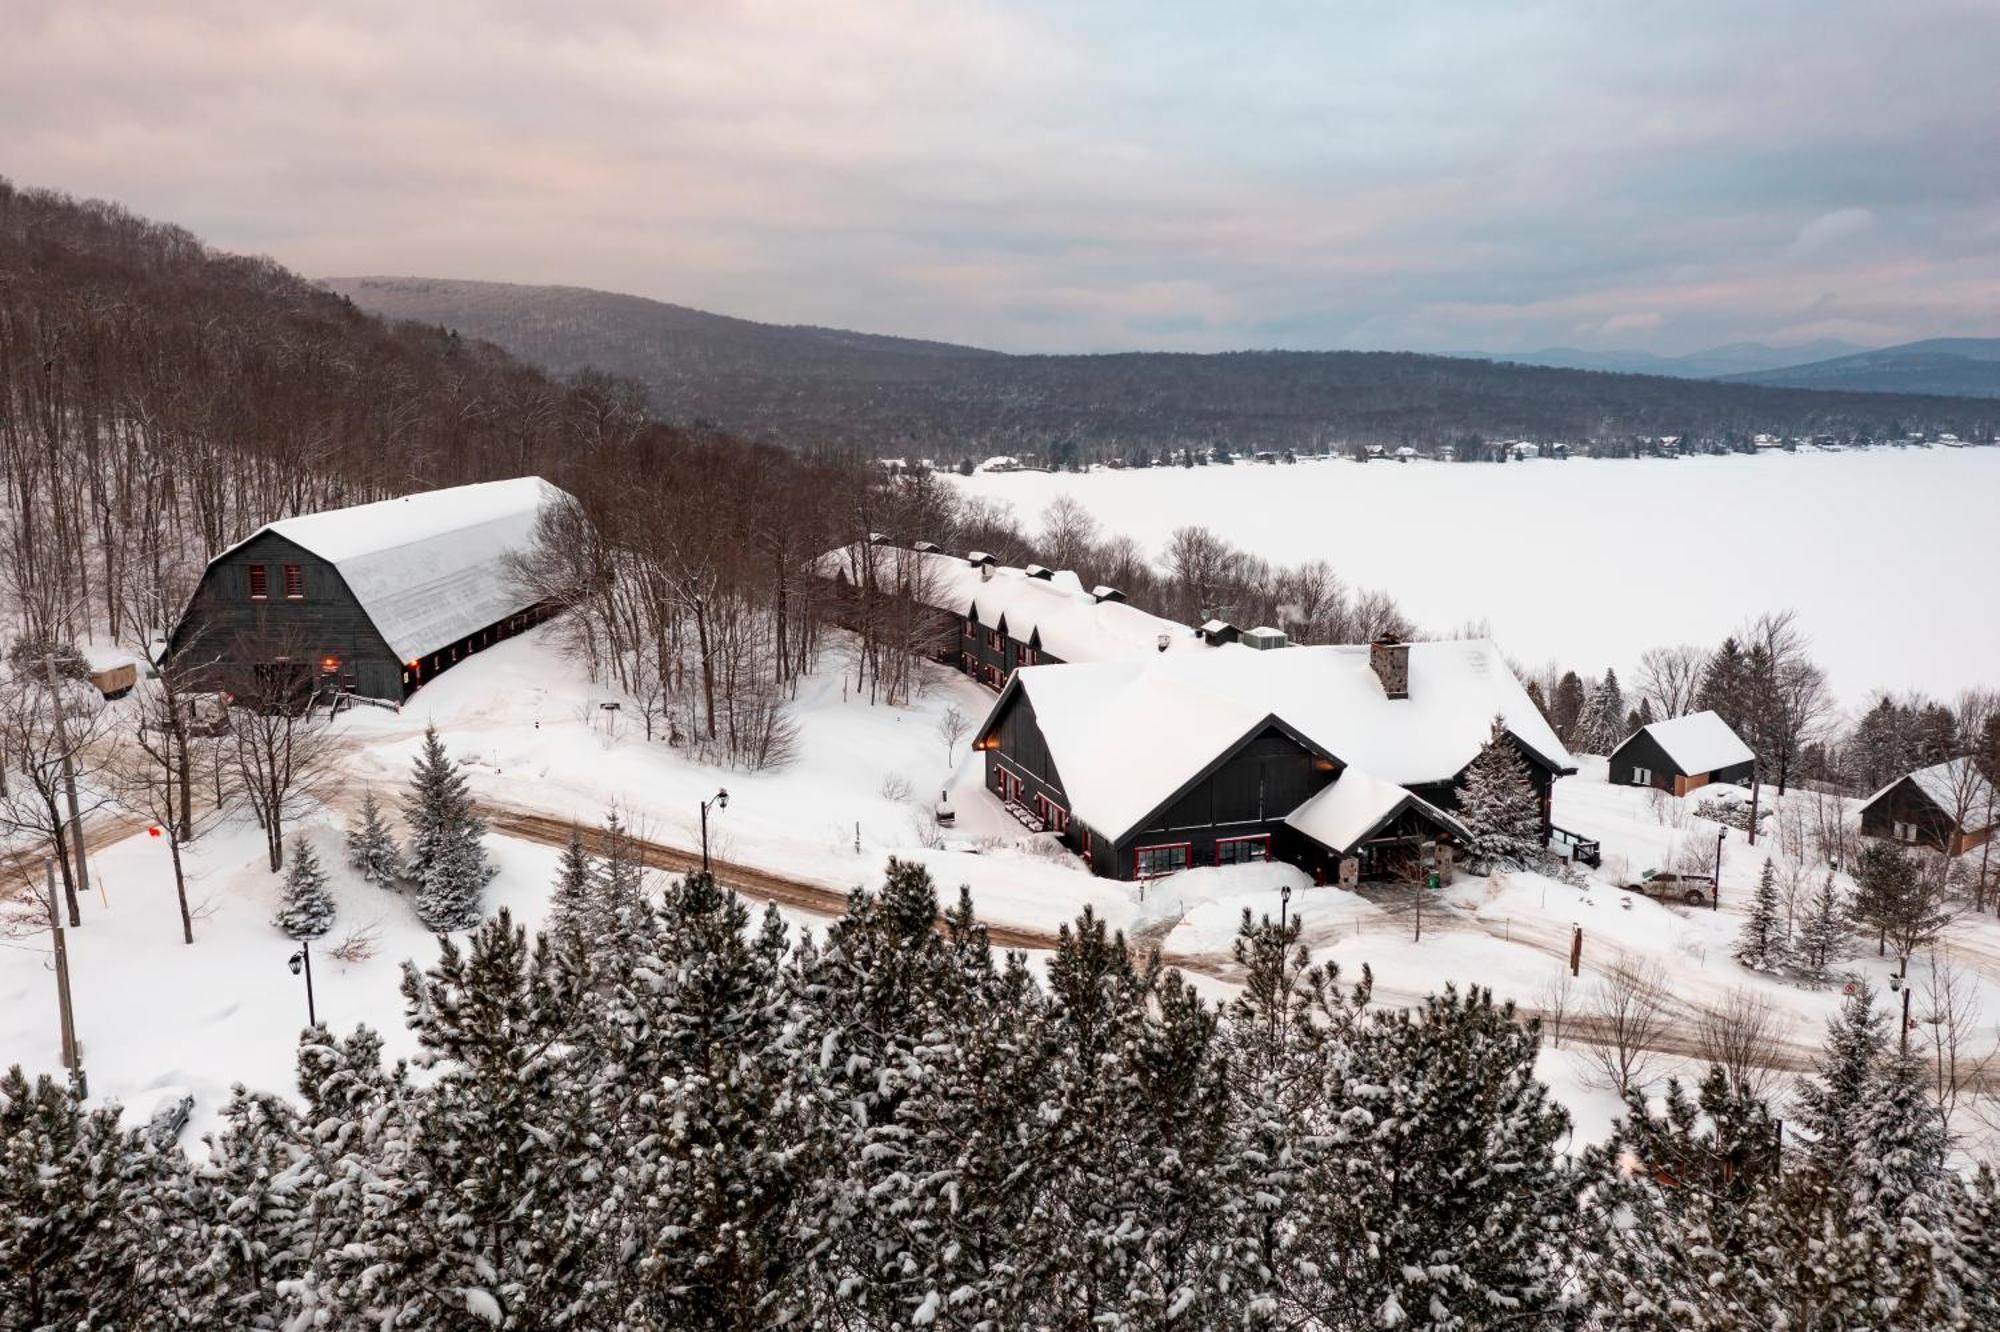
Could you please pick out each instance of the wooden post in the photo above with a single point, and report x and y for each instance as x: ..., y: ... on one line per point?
x: 71, y: 1057
x: 1575, y: 950
x: 1754, y: 793
x: 69, y: 783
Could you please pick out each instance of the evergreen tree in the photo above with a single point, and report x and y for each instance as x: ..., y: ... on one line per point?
x: 1761, y: 944
x: 573, y: 903
x: 1831, y: 1102
x: 1601, y: 727
x: 371, y: 847
x: 1566, y: 708
x: 1498, y: 804
x: 447, y: 862
x: 251, y: 1200
x: 1823, y: 935
x: 306, y: 909
x: 1725, y: 687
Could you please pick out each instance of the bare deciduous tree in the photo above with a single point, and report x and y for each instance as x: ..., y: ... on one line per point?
x: 59, y: 742
x: 952, y: 724
x: 1744, y: 1035
x: 1625, y: 1020
x: 1671, y: 677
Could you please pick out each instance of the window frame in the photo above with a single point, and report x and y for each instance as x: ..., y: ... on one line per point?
x: 1641, y: 776
x: 1140, y: 871
x: 1262, y: 839
x: 995, y: 641
x: 259, y: 581
x: 294, y: 576
x: 1903, y: 831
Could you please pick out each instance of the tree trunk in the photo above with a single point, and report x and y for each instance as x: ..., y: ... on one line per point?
x: 181, y: 889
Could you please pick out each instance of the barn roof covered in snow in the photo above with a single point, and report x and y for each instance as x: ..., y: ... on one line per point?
x: 1697, y: 743
x: 1054, y: 612
x: 1953, y: 786
x: 430, y: 568
x: 1126, y: 735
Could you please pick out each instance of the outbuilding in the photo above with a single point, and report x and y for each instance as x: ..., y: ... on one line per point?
x: 1950, y: 807
x: 1682, y: 754
x: 372, y: 600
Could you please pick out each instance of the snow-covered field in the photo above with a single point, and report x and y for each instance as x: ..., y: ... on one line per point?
x: 156, y: 1016
x: 1890, y: 556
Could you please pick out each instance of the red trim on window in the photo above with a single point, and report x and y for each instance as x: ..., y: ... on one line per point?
x: 295, y: 582
x: 260, y: 583
x: 968, y: 628
x: 1221, y: 842
x: 1187, y: 858
x: 994, y: 641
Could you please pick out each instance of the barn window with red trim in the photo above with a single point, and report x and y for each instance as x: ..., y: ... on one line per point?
x: 295, y: 582
x: 1243, y: 850
x: 260, y: 586
x: 995, y: 641
x: 1149, y: 862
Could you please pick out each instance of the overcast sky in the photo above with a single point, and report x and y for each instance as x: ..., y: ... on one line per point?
x: 1074, y: 177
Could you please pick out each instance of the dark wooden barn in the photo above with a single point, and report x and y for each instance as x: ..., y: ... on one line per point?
x: 372, y: 600
x: 1681, y: 755
x: 1949, y: 807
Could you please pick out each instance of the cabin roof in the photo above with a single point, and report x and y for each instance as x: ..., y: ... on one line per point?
x: 1946, y: 785
x: 429, y: 568
x: 1698, y: 742
x: 1129, y: 734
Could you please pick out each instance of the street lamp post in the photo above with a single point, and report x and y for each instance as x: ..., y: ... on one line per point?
x: 303, y: 960
x: 1284, y: 905
x: 721, y: 801
x: 1715, y: 895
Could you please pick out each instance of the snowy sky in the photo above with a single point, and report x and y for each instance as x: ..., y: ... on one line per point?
x: 1075, y: 177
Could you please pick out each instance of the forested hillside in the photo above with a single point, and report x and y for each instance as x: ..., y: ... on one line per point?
x: 807, y: 386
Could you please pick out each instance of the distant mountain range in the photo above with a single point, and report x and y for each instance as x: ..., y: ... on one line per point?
x: 1963, y: 367
x: 1735, y: 358
x: 805, y: 386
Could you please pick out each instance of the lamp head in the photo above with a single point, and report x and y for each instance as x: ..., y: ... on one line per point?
x: 722, y: 800
x: 297, y: 960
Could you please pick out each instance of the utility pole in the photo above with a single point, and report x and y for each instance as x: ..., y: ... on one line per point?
x: 82, y: 884
x: 71, y: 1057
x: 1715, y: 895
x: 1756, y: 785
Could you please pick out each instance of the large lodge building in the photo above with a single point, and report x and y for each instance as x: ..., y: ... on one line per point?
x: 1148, y: 746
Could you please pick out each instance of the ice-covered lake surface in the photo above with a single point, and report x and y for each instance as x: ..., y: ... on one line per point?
x: 1891, y: 556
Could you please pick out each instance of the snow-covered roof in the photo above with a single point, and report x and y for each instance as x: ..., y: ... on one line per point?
x: 1698, y: 742
x: 1127, y: 734
x: 1341, y: 816
x: 1056, y: 612
x: 1949, y: 785
x: 432, y: 567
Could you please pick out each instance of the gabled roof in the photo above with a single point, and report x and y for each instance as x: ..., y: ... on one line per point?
x: 1947, y: 785
x: 1342, y: 816
x: 1697, y: 743
x: 428, y: 568
x: 1127, y: 735
x: 1071, y: 623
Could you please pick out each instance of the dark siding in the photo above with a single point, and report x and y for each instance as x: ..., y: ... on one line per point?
x: 1641, y: 751
x: 1248, y: 795
x: 1905, y: 802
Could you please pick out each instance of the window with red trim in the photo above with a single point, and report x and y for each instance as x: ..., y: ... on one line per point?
x: 295, y: 582
x: 1027, y: 656
x: 995, y: 641
x: 1049, y: 812
x: 968, y: 628
x: 1243, y: 850
x: 260, y: 587
x: 1149, y: 862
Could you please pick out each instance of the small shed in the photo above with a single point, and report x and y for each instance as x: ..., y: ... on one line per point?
x: 1682, y: 754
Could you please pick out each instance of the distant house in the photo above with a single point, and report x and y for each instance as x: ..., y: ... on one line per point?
x: 371, y: 600
x: 989, y: 619
x: 1345, y: 761
x: 1948, y: 806
x: 1682, y: 754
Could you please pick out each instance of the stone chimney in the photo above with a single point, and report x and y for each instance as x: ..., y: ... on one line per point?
x: 1389, y: 658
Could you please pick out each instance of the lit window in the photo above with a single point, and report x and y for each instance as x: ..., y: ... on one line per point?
x: 295, y: 582
x: 1152, y: 861
x: 259, y: 587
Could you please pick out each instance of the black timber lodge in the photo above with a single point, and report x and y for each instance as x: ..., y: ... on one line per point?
x: 1148, y: 746
x: 370, y: 601
x: 1950, y: 807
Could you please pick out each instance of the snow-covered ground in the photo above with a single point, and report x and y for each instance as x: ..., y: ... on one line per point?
x: 1884, y: 553
x: 156, y: 1016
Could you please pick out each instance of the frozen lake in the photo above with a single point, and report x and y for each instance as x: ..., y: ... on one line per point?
x: 1891, y: 557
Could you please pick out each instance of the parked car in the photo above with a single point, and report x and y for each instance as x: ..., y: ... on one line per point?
x: 1664, y: 886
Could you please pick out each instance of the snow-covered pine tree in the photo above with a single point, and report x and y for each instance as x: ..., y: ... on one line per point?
x: 249, y: 1196
x: 1726, y: 687
x: 371, y: 845
x: 573, y: 898
x: 1823, y: 934
x: 306, y: 909
x: 1601, y: 726
x: 446, y: 862
x: 1498, y: 805
x: 1566, y: 707
x: 1831, y: 1102
x: 1761, y: 944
